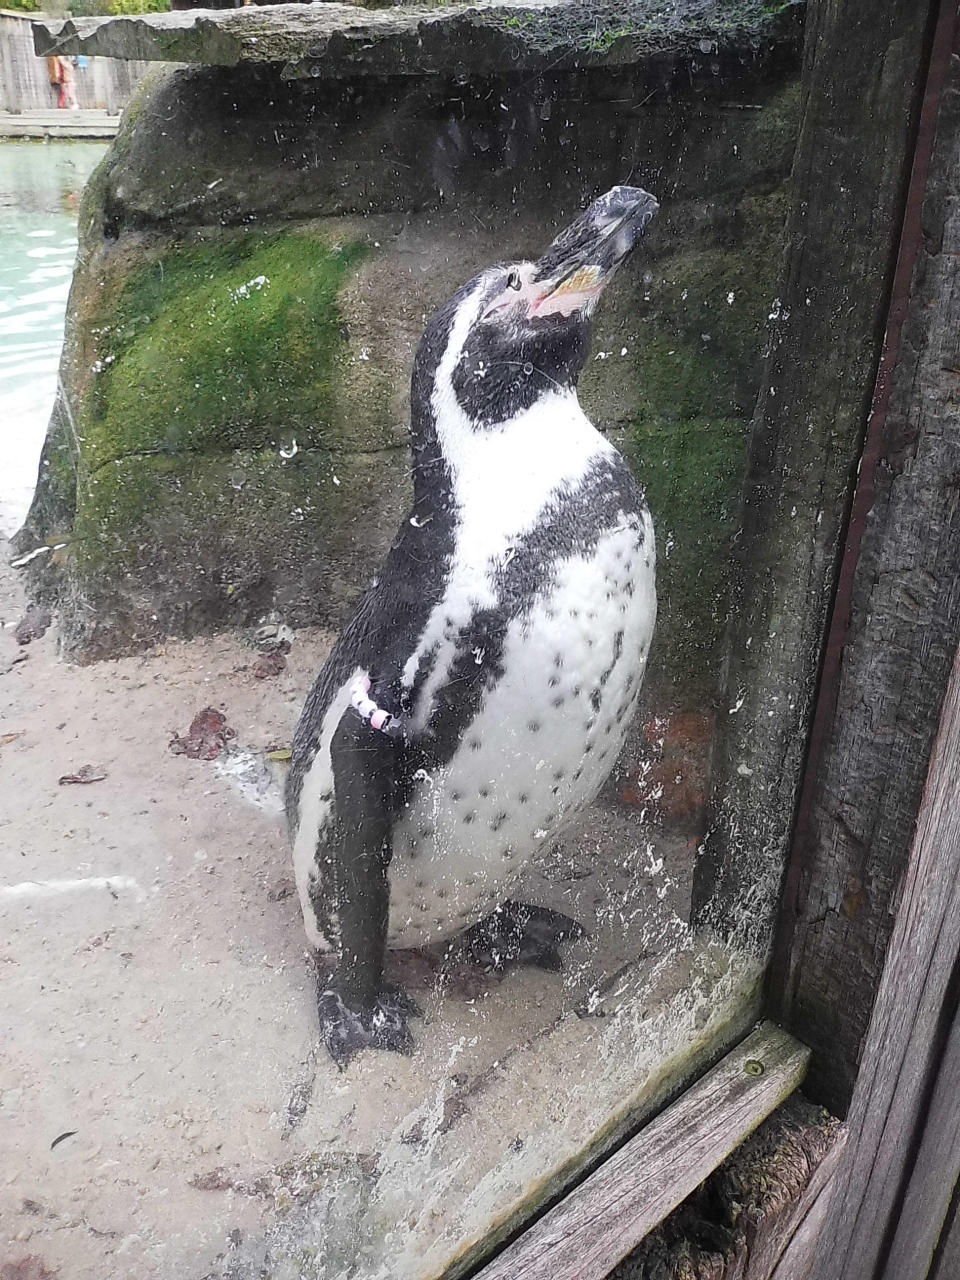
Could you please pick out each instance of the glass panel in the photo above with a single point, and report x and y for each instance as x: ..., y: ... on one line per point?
x: 493, y: 768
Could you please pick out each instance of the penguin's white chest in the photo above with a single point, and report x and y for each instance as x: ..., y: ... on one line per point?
x: 545, y: 737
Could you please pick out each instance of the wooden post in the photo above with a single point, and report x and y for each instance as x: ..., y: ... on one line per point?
x: 889, y: 1206
x: 895, y: 627
x: 947, y: 1264
x: 933, y: 1183
x: 863, y: 78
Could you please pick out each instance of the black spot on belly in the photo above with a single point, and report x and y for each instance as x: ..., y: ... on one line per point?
x: 469, y: 817
x: 523, y: 797
x: 483, y: 793
x: 534, y: 726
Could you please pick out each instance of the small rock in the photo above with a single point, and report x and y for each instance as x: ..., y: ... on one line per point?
x: 32, y: 625
x: 86, y: 773
x: 273, y: 637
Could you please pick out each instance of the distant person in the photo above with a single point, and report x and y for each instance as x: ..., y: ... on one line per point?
x: 68, y: 85
x: 54, y: 73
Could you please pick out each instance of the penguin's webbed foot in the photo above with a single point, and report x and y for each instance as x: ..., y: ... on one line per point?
x: 521, y: 933
x: 383, y: 1025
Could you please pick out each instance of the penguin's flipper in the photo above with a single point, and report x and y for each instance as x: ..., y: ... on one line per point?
x: 357, y: 1010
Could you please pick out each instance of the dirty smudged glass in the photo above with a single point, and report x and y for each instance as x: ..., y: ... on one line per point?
x: 225, y: 469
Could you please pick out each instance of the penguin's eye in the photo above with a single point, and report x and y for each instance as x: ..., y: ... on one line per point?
x: 513, y: 280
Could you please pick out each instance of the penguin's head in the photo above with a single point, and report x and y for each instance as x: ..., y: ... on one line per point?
x: 521, y: 330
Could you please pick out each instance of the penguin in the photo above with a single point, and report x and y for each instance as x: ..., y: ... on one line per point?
x: 477, y: 699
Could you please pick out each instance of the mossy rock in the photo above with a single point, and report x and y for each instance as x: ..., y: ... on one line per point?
x: 175, y: 545
x: 229, y: 345
x: 697, y: 372
x: 267, y: 303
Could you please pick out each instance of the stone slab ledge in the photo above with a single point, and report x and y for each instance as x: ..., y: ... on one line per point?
x: 337, y: 40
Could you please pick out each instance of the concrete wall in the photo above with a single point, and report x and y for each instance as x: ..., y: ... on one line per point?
x: 105, y: 83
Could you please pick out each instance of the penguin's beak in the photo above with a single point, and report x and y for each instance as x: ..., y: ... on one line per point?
x: 572, y: 274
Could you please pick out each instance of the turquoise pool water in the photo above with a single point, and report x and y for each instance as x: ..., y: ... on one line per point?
x: 40, y: 186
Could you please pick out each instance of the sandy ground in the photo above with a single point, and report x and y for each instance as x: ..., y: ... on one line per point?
x: 164, y: 1111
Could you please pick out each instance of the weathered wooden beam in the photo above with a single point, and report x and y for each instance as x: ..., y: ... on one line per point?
x: 599, y: 1222
x: 895, y: 627
x: 904, y: 1049
x: 795, y: 1260
x: 947, y: 1264
x: 738, y: 1223
x: 936, y: 1172
x: 863, y: 76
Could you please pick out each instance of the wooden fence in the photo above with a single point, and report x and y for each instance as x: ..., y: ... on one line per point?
x: 104, y: 83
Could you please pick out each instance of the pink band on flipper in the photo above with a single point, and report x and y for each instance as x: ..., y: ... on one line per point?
x: 367, y: 708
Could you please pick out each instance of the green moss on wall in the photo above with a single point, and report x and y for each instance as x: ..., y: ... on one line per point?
x: 225, y: 345
x: 176, y: 545
x: 698, y: 371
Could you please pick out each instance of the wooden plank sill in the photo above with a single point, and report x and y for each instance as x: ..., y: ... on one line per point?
x: 597, y: 1224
